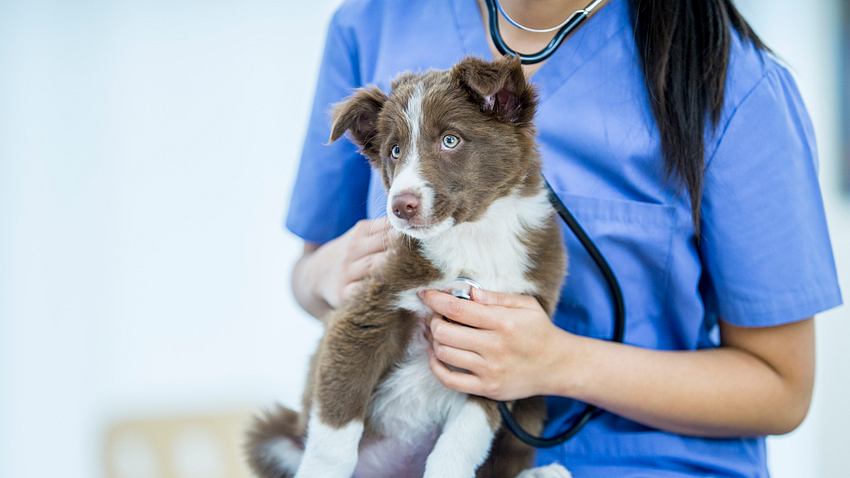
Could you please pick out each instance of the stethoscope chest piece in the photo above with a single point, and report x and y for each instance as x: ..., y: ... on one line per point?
x: 462, y: 288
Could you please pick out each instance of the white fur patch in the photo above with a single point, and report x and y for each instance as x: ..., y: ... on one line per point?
x: 411, y: 401
x: 285, y: 454
x: 464, y: 444
x: 489, y: 102
x: 413, y: 117
x: 491, y: 250
x: 408, y: 300
x: 550, y: 471
x: 409, y: 178
x: 330, y: 452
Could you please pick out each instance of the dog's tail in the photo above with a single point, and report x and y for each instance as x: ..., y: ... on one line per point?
x: 275, y: 443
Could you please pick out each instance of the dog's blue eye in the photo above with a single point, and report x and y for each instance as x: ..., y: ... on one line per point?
x: 450, y: 141
x: 395, y: 152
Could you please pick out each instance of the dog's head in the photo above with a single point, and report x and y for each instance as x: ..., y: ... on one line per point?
x: 448, y: 143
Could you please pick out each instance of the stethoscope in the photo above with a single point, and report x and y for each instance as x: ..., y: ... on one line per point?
x: 494, y: 9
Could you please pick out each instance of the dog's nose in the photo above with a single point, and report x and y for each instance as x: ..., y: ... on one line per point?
x: 406, y: 205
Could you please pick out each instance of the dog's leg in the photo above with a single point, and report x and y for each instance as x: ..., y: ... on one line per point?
x: 330, y: 452
x: 362, y: 342
x: 464, y: 443
x: 335, y: 423
x: 510, y: 456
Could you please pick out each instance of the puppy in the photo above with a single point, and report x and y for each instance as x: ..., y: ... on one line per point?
x: 457, y: 154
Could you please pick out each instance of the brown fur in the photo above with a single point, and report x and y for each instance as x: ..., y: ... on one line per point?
x: 490, y: 106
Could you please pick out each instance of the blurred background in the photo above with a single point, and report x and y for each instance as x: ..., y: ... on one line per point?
x: 147, y: 150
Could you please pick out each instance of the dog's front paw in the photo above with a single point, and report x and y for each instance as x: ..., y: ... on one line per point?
x: 551, y: 471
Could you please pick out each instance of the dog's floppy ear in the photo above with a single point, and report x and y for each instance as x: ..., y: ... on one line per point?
x: 358, y: 114
x: 498, y: 87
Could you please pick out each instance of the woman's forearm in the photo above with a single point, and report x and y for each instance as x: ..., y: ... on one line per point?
x: 758, y: 382
x: 717, y: 392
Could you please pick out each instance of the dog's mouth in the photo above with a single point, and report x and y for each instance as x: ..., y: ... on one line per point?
x: 420, y: 229
x: 421, y: 226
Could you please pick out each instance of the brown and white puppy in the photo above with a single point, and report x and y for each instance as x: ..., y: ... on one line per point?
x: 456, y: 151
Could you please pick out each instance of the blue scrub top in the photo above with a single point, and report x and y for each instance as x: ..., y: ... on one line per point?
x: 764, y: 258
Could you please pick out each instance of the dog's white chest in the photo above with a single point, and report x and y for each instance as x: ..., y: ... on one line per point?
x: 492, y: 250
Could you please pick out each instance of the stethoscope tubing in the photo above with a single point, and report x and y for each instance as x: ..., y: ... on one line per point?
x: 570, y: 25
x: 618, y: 335
x: 619, y: 310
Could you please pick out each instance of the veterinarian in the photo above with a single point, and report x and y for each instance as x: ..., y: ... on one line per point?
x: 684, y: 148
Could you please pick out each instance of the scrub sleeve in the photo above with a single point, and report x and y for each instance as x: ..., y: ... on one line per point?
x: 332, y: 184
x: 765, y: 244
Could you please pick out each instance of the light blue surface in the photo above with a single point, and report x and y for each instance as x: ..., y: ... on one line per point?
x: 764, y: 258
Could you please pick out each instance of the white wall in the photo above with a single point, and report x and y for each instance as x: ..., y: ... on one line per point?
x: 147, y: 152
x: 146, y: 155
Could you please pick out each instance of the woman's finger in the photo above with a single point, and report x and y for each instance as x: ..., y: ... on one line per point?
x: 358, y: 269
x: 348, y: 290
x: 461, y: 311
x: 379, y: 226
x: 427, y: 329
x: 363, y: 245
x: 462, y: 359
x: 378, y: 262
x: 501, y: 299
x: 364, y: 266
x: 459, y: 381
x: 459, y: 336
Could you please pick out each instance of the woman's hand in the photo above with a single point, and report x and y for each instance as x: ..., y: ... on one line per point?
x: 327, y: 276
x: 757, y: 382
x: 506, y: 342
x: 352, y: 257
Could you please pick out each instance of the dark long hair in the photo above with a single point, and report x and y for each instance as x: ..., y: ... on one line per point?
x: 684, y: 47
